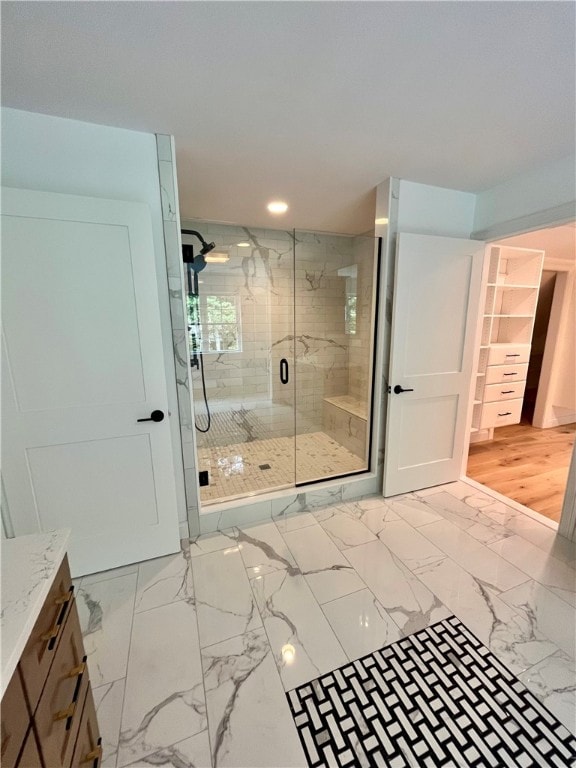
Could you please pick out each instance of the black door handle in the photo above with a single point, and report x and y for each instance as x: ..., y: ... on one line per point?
x: 154, y: 416
x: 398, y: 389
x: 284, y: 375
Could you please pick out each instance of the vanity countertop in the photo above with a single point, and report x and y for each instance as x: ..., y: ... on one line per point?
x: 28, y: 567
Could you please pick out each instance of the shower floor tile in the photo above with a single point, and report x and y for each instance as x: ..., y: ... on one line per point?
x: 243, y: 468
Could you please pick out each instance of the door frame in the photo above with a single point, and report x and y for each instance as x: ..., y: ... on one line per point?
x: 554, y: 217
x: 557, y: 323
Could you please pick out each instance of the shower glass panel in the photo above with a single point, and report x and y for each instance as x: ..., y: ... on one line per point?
x: 335, y: 278
x: 241, y: 326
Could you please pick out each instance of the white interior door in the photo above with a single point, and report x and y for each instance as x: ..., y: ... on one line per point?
x: 436, y: 303
x: 82, y: 362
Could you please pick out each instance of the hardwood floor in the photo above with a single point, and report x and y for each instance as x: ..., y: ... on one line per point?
x: 526, y: 464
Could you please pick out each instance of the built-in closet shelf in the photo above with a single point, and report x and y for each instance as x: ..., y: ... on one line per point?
x: 507, y: 325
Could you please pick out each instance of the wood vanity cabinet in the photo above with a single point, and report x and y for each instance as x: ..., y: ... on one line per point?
x: 48, y: 715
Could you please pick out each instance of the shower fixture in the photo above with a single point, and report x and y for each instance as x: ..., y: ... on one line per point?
x: 194, y: 265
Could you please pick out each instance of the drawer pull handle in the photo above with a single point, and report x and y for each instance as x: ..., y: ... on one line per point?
x: 64, y: 601
x: 65, y: 714
x: 65, y: 598
x: 510, y: 374
x: 95, y: 754
x: 508, y: 413
x: 507, y: 391
x: 68, y: 713
x: 517, y: 355
x: 79, y: 670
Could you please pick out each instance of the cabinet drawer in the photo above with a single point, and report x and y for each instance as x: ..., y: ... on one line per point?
x: 506, y: 391
x: 88, y: 750
x: 500, y: 414
x: 497, y: 374
x: 60, y: 708
x: 506, y: 354
x: 41, y: 648
x: 30, y: 757
x: 15, y: 721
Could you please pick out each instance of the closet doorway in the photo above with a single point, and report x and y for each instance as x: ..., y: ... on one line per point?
x: 527, y: 459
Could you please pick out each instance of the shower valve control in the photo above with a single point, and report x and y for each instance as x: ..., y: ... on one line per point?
x: 154, y: 416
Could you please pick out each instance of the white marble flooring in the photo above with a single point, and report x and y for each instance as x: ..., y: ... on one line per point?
x: 190, y: 655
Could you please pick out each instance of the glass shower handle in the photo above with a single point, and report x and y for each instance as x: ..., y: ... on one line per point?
x: 284, y: 374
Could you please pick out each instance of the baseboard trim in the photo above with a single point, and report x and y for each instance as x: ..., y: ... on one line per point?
x: 558, y: 421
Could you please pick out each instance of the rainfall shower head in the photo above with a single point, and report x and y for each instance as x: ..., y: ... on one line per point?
x: 197, y: 262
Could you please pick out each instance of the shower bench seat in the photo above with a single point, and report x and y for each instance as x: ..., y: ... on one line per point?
x: 344, y: 419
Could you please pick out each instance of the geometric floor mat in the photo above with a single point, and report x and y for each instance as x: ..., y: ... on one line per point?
x: 435, y: 698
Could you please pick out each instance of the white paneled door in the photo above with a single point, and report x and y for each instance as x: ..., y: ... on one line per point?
x: 435, y: 316
x: 82, y: 363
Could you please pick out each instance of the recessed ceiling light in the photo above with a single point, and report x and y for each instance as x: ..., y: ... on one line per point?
x: 216, y: 258
x: 243, y: 245
x: 381, y: 221
x: 277, y: 206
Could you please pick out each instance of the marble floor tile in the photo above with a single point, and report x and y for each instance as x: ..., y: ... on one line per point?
x: 542, y: 567
x: 249, y: 719
x: 164, y: 580
x: 113, y: 573
x: 373, y: 513
x: 410, y: 604
x: 190, y: 753
x: 344, y: 529
x: 414, y: 510
x: 223, y: 596
x: 108, y: 700
x: 361, y: 623
x: 474, y: 557
x: 512, y: 638
x: 408, y: 544
x: 465, y: 516
x: 294, y: 522
x: 302, y: 641
x: 164, y: 701
x: 209, y: 542
x: 553, y: 680
x: 327, y: 571
x: 544, y: 538
x: 264, y: 550
x: 106, y: 608
x: 547, y: 612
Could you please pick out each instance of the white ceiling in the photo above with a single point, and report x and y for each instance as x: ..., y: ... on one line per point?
x: 558, y: 242
x: 312, y: 102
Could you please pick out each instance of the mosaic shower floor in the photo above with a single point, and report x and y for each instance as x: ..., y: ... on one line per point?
x: 242, y: 468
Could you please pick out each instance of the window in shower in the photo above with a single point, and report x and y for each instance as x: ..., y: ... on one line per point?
x: 292, y: 405
x: 220, y: 322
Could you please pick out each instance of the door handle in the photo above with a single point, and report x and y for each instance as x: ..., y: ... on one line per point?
x: 284, y: 373
x: 398, y: 389
x: 154, y: 416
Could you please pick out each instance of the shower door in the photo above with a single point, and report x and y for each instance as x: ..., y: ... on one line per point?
x: 241, y: 339
x: 335, y: 311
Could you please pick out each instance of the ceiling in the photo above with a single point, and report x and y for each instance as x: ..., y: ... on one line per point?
x: 311, y: 102
x: 558, y: 242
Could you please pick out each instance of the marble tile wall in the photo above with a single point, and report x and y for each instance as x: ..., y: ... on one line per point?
x: 169, y: 198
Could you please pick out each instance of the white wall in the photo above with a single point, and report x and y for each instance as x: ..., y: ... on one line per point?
x: 543, y: 196
x: 426, y: 210
x: 53, y: 154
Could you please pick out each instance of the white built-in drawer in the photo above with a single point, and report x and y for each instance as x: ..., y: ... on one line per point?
x: 497, y: 374
x: 505, y: 391
x: 504, y: 354
x: 500, y: 414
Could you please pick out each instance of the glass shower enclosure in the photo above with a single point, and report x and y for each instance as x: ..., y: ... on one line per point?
x: 281, y: 334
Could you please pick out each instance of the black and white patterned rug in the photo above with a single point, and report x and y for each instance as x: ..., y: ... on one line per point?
x: 435, y: 698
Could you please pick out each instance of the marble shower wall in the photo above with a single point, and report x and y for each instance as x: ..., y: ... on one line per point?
x: 297, y: 315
